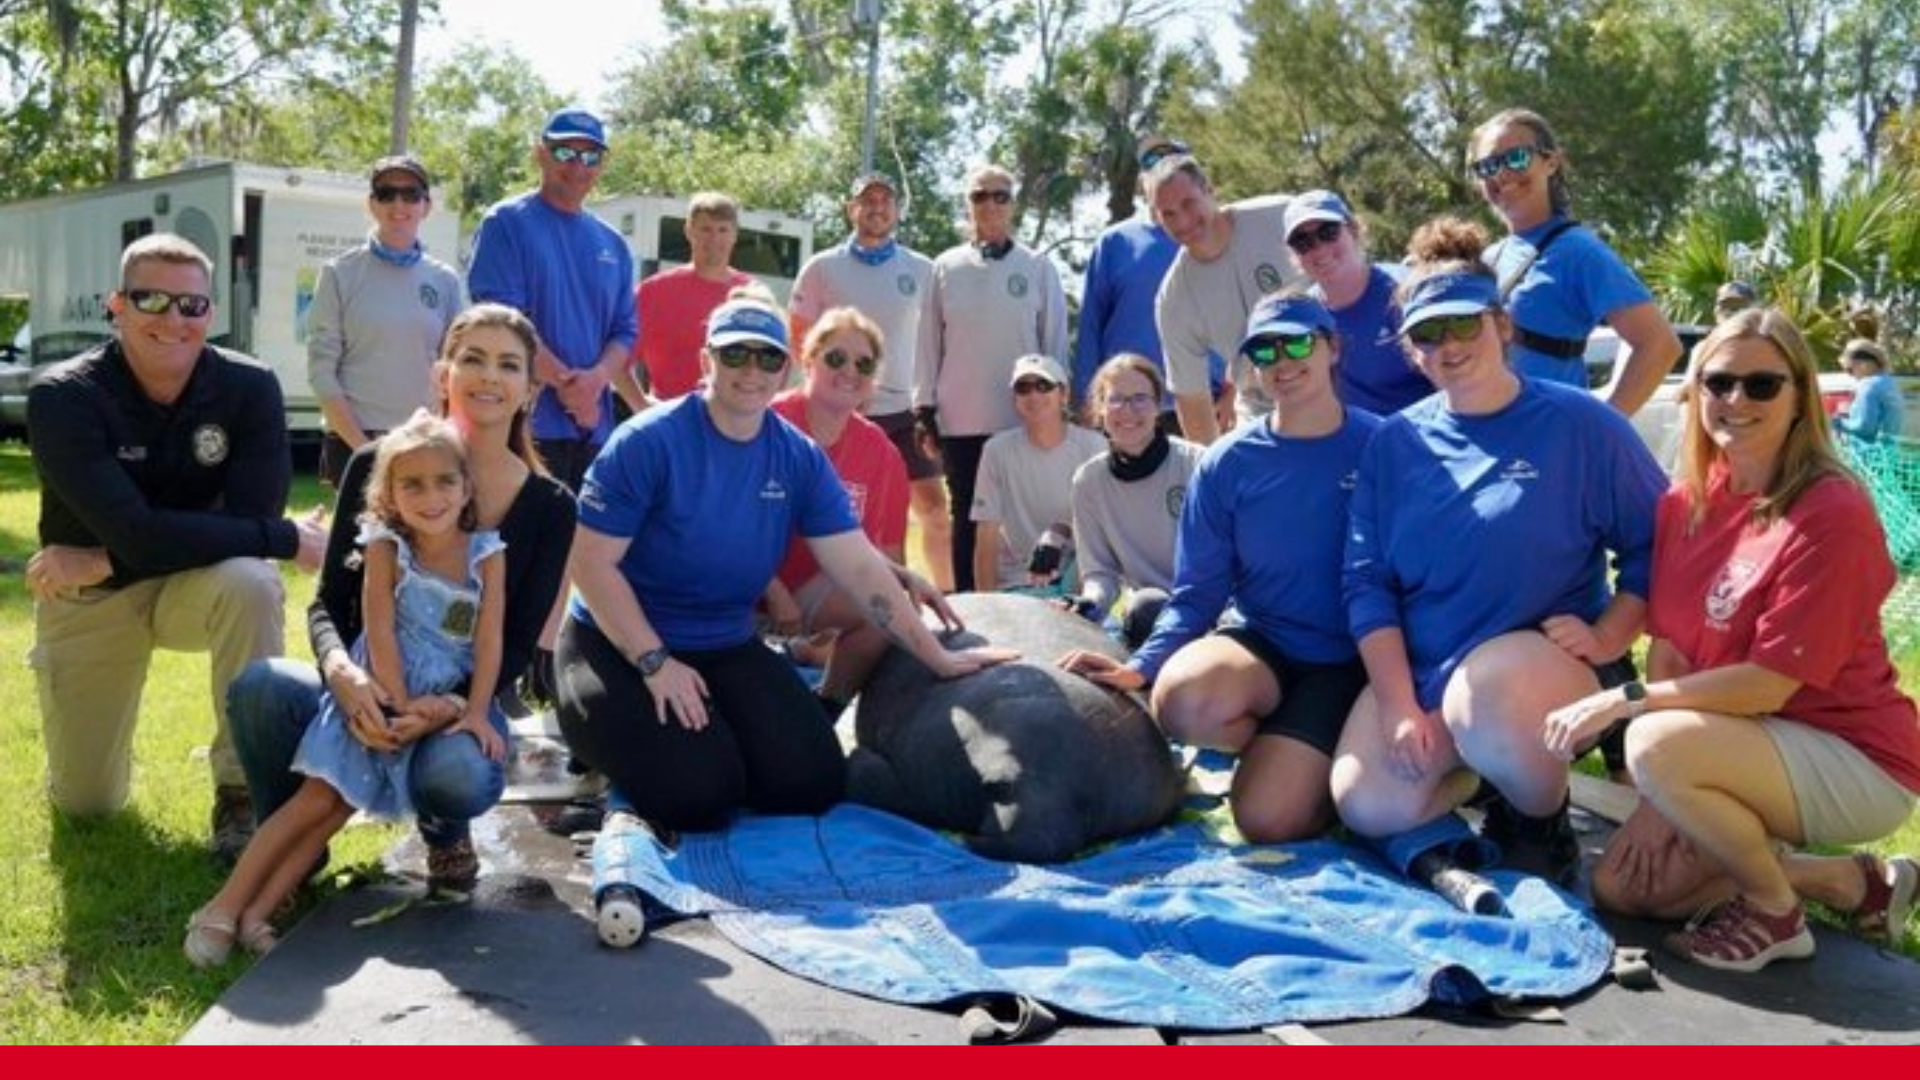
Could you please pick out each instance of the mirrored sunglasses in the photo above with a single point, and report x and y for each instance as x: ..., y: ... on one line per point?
x: 1033, y: 386
x: 865, y: 365
x: 567, y: 155
x: 998, y: 196
x: 1515, y: 159
x: 406, y: 193
x: 1306, y: 239
x: 739, y: 356
x: 1758, y: 386
x: 156, y: 302
x: 1270, y: 350
x: 1430, y: 334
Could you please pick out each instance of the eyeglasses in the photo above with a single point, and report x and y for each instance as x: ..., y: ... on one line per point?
x: 1154, y: 155
x: 406, y: 194
x: 567, y: 155
x: 1758, y: 386
x: 739, y: 356
x: 155, y: 302
x: 1461, y: 328
x: 865, y: 365
x: 1132, y: 402
x: 1305, y: 240
x: 1516, y: 159
x: 1268, y: 351
x: 1033, y: 386
x: 999, y: 196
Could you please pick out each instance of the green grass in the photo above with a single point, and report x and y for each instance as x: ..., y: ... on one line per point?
x: 94, y: 911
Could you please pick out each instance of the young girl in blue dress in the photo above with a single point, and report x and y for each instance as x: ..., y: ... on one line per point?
x: 434, y: 606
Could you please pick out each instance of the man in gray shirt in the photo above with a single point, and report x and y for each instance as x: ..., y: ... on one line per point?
x: 991, y: 301
x: 1230, y: 257
x: 379, y: 312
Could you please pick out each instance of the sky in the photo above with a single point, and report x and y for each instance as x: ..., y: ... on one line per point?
x: 574, y: 54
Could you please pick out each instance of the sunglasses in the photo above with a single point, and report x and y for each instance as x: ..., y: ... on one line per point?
x: 1515, y: 159
x: 1132, y: 402
x: 1268, y: 351
x: 739, y: 356
x: 865, y: 365
x: 1305, y: 240
x: 999, y: 195
x: 567, y: 155
x: 1155, y: 155
x: 1758, y: 386
x: 1033, y: 386
x: 386, y: 193
x: 1461, y: 328
x: 155, y: 302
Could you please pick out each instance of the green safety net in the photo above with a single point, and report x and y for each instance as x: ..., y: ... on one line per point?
x: 1891, y: 471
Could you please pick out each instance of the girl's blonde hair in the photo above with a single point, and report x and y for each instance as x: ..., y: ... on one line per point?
x: 519, y: 433
x: 1808, y: 455
x: 424, y: 431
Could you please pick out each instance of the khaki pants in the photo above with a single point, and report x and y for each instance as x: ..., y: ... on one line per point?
x: 90, y: 657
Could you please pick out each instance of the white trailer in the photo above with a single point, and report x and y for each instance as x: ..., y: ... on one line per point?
x: 772, y: 246
x: 267, y: 229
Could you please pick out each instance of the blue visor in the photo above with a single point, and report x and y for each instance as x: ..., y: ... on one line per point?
x: 745, y: 321
x: 1457, y: 292
x: 1290, y: 315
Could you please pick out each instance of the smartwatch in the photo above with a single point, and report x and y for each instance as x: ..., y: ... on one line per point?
x: 651, y: 661
x: 1636, y: 694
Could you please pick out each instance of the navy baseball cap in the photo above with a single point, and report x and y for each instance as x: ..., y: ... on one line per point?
x: 1456, y: 292
x: 1319, y: 205
x: 575, y: 124
x: 1286, y: 315
x: 738, y: 321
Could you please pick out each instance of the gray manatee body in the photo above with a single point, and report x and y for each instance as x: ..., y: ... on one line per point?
x: 1026, y: 761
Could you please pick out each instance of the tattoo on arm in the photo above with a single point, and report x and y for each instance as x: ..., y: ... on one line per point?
x: 880, y: 614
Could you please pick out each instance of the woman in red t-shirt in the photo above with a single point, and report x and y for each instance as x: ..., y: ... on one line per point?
x: 1772, y: 717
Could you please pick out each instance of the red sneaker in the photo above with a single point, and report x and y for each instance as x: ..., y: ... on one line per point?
x: 1736, y: 936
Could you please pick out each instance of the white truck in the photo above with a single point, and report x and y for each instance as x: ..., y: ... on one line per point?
x: 267, y: 229
x: 771, y: 246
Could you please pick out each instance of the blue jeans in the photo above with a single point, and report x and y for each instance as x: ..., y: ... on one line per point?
x: 272, y: 702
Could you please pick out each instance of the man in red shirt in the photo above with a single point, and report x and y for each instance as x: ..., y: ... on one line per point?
x: 674, y: 304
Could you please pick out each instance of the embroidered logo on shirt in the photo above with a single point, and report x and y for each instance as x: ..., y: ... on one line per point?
x: 1017, y: 286
x: 773, y: 491
x: 131, y: 453
x: 907, y: 285
x: 429, y: 297
x: 1267, y: 276
x: 1176, y: 500
x: 1519, y: 469
x: 1350, y: 481
x: 209, y: 444
x: 1728, y: 589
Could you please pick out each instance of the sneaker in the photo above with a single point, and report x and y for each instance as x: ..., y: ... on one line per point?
x: 232, y: 822
x: 622, y: 819
x: 1736, y: 936
x: 1544, y: 847
x: 453, y: 870
x: 1882, y: 915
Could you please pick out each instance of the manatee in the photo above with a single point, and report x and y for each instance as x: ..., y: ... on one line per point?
x: 1025, y: 761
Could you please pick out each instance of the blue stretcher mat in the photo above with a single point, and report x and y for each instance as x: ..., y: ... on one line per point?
x: 1174, y: 929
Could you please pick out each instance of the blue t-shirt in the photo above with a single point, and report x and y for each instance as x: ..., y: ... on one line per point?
x: 709, y: 517
x: 1263, y: 526
x: 1468, y: 527
x: 1375, y: 371
x: 573, y: 276
x: 1576, y: 284
x: 1116, y: 303
x: 1877, y: 412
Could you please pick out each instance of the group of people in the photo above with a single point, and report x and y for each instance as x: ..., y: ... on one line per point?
x: 1348, y: 515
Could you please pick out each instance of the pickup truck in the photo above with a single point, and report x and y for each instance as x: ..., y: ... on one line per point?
x: 1658, y: 421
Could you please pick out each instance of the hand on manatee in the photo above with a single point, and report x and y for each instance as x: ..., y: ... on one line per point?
x: 1103, y: 669
x: 957, y: 662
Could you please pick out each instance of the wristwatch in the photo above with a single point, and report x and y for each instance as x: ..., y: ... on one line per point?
x: 651, y: 661
x: 1636, y: 694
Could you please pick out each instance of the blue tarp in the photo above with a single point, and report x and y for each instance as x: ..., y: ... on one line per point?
x: 1174, y: 929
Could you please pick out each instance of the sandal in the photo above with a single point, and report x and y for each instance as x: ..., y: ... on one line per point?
x: 210, y: 937
x: 258, y: 939
x: 1891, y: 888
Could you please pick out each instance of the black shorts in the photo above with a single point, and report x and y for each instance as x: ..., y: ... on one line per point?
x: 1314, y: 698
x: 905, y: 437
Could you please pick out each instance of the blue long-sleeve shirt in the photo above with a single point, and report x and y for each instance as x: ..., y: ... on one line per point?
x: 1877, y: 412
x: 1263, y: 526
x: 1468, y: 527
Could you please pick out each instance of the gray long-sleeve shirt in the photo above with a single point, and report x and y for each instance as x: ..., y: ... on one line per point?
x: 374, y: 331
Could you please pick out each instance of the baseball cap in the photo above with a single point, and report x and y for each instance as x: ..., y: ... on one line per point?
x: 1034, y: 365
x: 1287, y: 315
x: 739, y: 321
x: 1456, y: 292
x: 1319, y: 205
x: 872, y: 179
x: 1151, y: 148
x: 1864, y: 349
x: 1735, y: 292
x: 575, y: 124
x: 404, y: 163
